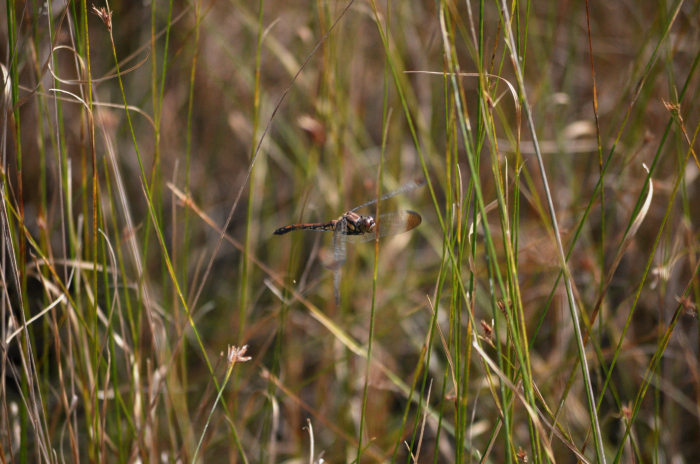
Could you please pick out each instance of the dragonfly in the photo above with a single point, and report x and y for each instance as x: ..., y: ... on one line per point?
x: 352, y: 227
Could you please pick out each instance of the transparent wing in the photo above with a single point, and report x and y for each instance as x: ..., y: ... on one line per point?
x: 389, y: 224
x: 340, y: 255
x: 407, y: 187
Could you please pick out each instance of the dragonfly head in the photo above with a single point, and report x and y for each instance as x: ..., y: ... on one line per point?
x: 366, y: 224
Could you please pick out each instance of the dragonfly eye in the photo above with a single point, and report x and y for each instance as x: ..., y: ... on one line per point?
x: 367, y: 224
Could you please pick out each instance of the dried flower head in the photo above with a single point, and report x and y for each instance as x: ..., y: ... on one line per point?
x: 522, y: 454
x: 488, y: 332
x: 235, y: 354
x: 688, y: 305
x: 105, y: 15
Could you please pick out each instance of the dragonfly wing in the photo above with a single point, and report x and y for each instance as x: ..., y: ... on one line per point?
x: 340, y: 255
x: 390, y: 224
x: 339, y: 239
x: 361, y: 238
x: 407, y: 187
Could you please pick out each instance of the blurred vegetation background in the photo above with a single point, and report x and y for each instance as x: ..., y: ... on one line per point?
x: 151, y: 149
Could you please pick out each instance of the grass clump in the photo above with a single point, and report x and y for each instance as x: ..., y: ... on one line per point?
x: 545, y: 310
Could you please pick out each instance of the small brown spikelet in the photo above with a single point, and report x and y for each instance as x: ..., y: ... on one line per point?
x: 105, y: 16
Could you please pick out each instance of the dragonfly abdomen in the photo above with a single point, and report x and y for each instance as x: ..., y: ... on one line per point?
x: 326, y: 226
